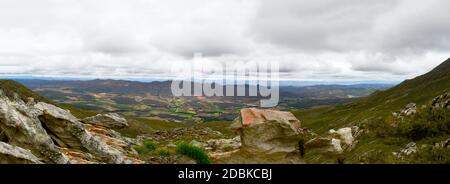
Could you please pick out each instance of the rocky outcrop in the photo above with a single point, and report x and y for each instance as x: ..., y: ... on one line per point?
x: 10, y: 154
x: 444, y: 144
x: 20, y: 125
x: 442, y: 101
x: 409, y: 149
x: 344, y: 134
x: 224, y: 145
x: 218, y: 149
x: 410, y: 109
x: 67, y: 129
x: 56, y: 136
x: 336, y: 142
x: 268, y: 135
x: 110, y: 120
x: 324, y: 145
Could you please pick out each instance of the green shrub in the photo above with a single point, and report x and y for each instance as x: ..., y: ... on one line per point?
x: 432, y: 155
x: 140, y: 149
x: 193, y: 152
x: 150, y: 145
x: 426, y: 124
x: 377, y: 157
x: 147, y: 146
x: 164, y: 153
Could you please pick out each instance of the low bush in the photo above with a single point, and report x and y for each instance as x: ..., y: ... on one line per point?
x: 164, y: 153
x: 147, y: 146
x: 427, y: 123
x: 193, y: 152
x: 150, y: 145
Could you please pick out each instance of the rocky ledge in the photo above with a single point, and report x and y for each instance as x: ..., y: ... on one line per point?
x: 38, y: 132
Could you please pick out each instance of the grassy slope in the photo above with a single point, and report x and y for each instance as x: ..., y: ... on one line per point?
x: 420, y: 90
x: 11, y: 87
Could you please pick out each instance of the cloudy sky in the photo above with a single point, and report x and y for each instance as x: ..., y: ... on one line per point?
x: 320, y: 40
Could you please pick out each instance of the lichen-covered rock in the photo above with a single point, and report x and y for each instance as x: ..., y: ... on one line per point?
x: 10, y: 154
x: 110, y: 120
x: 55, y: 136
x: 69, y: 130
x: 21, y: 126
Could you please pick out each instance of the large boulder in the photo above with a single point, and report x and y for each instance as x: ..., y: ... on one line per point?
x: 347, y: 135
x: 269, y: 135
x: 10, y: 154
x: 110, y: 120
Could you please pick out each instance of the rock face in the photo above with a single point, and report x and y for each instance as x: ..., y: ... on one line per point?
x: 111, y: 120
x: 10, y: 154
x: 56, y: 136
x: 269, y: 134
x: 21, y: 126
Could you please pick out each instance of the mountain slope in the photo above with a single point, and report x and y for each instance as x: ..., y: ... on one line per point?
x: 10, y: 88
x: 420, y: 90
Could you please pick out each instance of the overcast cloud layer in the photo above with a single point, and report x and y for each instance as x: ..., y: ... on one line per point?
x: 321, y: 39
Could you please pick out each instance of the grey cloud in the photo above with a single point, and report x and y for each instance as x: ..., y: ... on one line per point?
x: 377, y: 26
x: 310, y: 39
x: 114, y: 43
x: 319, y: 25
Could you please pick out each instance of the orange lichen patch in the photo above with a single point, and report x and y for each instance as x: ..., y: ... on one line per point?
x: 115, y: 143
x: 97, y: 130
x: 220, y: 155
x: 252, y: 116
x: 78, y: 157
x: 135, y: 160
x: 201, y: 98
x: 248, y: 116
x: 103, y: 134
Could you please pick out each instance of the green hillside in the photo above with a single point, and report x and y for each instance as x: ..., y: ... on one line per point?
x: 10, y: 88
x: 420, y: 90
x: 384, y: 134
